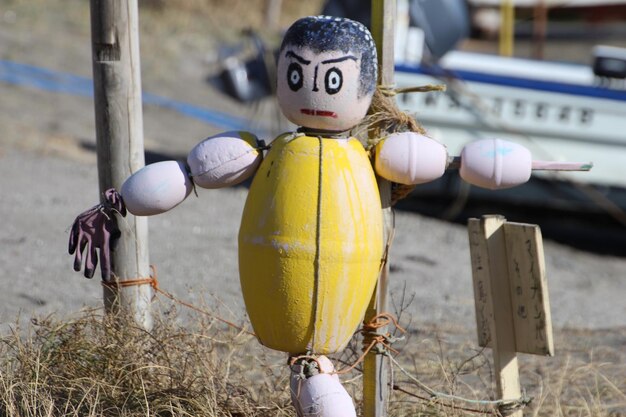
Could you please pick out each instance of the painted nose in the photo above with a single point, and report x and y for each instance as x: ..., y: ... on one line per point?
x: 315, y: 79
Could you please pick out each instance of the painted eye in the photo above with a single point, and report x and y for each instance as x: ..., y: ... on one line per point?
x: 294, y: 76
x: 333, y: 80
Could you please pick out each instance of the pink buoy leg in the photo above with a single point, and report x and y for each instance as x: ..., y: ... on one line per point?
x: 316, y: 390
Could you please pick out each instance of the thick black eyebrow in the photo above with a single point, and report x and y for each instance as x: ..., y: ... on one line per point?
x: 291, y: 54
x: 343, y: 58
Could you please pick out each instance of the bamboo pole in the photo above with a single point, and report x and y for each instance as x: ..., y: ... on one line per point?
x: 507, y: 27
x: 119, y: 140
x: 375, y: 368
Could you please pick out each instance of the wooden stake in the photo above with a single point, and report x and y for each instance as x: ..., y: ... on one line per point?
x: 503, y: 336
x: 375, y: 368
x: 119, y: 137
x: 493, y: 302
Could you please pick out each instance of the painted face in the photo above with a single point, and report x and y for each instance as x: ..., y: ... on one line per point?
x: 320, y: 91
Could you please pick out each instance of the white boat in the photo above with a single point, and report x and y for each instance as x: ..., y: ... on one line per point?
x: 559, y: 111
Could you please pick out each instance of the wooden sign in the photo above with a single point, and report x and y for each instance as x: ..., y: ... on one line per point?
x: 516, y: 263
x: 529, y: 289
x: 511, y: 296
x: 482, y: 281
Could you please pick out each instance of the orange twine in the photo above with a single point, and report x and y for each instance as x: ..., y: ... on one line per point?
x: 152, y: 280
x: 370, y: 339
x: 154, y: 283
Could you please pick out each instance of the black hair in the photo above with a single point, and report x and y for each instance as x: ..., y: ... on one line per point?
x: 326, y: 33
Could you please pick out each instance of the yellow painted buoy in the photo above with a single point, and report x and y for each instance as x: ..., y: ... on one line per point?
x: 310, y: 243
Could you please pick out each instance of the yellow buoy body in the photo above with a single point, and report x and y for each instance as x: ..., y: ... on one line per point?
x: 310, y: 243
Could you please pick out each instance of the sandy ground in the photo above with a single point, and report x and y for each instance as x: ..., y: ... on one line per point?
x: 48, y: 175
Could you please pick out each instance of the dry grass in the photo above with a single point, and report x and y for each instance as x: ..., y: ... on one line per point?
x: 94, y: 366
x: 587, y: 377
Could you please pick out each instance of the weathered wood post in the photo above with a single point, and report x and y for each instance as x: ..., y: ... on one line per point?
x: 511, y: 297
x: 119, y: 137
x: 375, y: 368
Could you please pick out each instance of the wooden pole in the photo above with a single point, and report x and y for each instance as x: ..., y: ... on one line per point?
x: 119, y: 140
x: 375, y: 368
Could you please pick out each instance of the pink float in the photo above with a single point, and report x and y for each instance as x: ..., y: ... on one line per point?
x: 156, y: 188
x: 320, y: 395
x: 224, y: 160
x: 499, y: 164
x: 410, y: 158
x: 495, y: 164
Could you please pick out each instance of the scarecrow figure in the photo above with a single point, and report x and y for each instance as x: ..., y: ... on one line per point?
x: 311, y: 237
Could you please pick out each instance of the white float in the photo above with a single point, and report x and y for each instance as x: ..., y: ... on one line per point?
x: 410, y: 158
x: 223, y: 160
x: 156, y: 188
x: 321, y: 395
x: 495, y: 164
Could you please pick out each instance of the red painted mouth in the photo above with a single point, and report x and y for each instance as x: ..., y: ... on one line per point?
x: 324, y: 113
